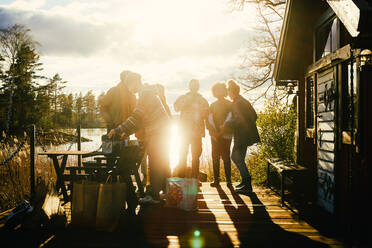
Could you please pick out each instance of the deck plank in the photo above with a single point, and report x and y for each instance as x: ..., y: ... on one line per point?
x: 224, y: 219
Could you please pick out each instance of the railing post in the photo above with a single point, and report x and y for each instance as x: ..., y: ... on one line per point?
x: 32, y: 161
x: 79, y: 143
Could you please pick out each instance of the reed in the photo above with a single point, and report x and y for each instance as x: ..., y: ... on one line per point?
x: 15, y: 175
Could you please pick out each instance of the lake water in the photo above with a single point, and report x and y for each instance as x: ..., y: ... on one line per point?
x: 94, y: 134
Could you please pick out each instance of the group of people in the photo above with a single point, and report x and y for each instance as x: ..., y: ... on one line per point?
x: 149, y: 116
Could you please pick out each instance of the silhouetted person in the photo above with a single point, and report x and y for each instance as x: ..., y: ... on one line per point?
x: 115, y: 107
x: 144, y: 163
x: 194, y: 109
x: 151, y: 115
x: 219, y: 113
x: 245, y: 131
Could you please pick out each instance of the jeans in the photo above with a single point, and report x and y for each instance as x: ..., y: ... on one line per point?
x: 238, y: 157
x: 221, y: 149
x: 196, y: 150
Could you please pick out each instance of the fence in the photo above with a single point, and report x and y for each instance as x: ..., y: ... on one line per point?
x: 18, y: 164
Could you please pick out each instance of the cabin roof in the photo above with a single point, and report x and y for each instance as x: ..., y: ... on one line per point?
x: 295, y: 51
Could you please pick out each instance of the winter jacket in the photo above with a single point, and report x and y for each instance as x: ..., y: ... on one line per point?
x: 219, y: 113
x: 244, y: 122
x: 117, y: 104
x: 149, y: 114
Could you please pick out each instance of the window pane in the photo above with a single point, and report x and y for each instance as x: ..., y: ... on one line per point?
x: 334, y: 35
x: 327, y: 38
x: 350, y: 97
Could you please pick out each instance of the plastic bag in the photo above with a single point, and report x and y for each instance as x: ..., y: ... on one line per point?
x: 182, y: 193
x: 111, y: 200
x: 16, y: 216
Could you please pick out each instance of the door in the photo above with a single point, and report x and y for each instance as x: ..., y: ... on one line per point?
x: 326, y: 139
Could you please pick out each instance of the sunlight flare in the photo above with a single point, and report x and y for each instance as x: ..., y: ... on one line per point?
x: 174, y: 146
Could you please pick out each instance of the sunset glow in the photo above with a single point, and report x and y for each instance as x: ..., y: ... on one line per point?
x: 89, y: 43
x: 174, y: 147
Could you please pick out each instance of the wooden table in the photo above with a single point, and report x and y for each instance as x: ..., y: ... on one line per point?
x: 61, y: 166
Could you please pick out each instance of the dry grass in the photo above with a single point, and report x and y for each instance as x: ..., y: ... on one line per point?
x: 15, y: 175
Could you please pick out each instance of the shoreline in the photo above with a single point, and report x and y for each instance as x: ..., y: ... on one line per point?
x: 58, y: 137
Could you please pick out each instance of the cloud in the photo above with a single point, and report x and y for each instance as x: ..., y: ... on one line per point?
x: 65, y: 35
x: 31, y: 4
x: 62, y: 35
x: 90, y: 42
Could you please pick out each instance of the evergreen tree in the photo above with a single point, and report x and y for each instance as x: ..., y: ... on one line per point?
x: 55, y: 86
x: 78, y: 109
x: 20, y: 64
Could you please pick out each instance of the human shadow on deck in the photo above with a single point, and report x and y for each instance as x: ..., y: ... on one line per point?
x: 255, y: 228
x: 153, y: 226
x: 190, y: 229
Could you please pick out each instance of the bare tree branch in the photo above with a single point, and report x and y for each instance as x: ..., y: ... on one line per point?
x: 257, y: 63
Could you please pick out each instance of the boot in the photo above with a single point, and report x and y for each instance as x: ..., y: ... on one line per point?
x: 241, y: 184
x: 216, y: 183
x: 246, y: 188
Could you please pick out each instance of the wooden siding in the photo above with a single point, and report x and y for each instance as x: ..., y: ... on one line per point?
x: 326, y: 140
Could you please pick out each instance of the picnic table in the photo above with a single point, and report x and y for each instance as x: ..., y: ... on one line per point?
x: 128, y: 161
x: 59, y: 159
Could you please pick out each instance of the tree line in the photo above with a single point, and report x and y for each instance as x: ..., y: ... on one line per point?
x: 26, y: 97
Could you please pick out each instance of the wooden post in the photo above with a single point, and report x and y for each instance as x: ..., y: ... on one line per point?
x: 268, y: 174
x: 79, y: 144
x: 32, y: 161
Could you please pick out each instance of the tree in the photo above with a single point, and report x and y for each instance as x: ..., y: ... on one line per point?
x: 19, y: 67
x: 55, y: 86
x: 259, y: 58
x: 89, y: 102
x: 78, y: 108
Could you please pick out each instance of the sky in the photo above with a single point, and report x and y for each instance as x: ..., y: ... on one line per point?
x: 90, y: 42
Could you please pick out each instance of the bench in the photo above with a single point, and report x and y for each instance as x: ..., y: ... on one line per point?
x: 286, y: 169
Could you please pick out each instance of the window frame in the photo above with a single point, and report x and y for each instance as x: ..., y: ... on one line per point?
x: 310, y: 126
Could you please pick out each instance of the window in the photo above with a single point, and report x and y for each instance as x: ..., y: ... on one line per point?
x: 327, y: 38
x: 350, y: 101
x: 310, y: 104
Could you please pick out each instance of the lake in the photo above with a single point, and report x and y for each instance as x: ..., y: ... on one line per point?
x: 94, y: 134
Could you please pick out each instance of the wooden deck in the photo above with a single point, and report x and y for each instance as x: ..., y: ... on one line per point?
x: 224, y: 219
